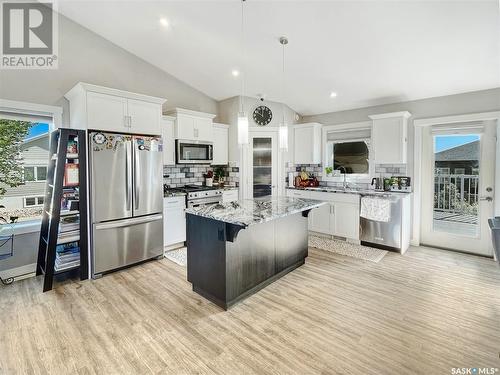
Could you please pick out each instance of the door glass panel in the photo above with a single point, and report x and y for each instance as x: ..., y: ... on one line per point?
x: 456, y: 184
x: 262, y: 167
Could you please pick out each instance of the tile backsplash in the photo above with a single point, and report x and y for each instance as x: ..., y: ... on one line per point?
x: 182, y: 174
x: 317, y: 170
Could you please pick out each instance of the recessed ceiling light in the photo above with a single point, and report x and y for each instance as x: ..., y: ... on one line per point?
x: 333, y: 94
x: 164, y: 21
x: 235, y: 73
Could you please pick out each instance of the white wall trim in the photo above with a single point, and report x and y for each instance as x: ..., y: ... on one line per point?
x: 419, y: 125
x: 483, y: 116
x: 27, y: 108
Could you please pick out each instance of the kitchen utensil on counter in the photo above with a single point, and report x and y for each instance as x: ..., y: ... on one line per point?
x: 377, y: 183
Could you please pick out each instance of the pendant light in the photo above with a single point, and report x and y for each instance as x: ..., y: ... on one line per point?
x: 283, y: 128
x: 242, y: 117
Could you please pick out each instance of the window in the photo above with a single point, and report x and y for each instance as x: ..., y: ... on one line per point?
x: 33, y: 201
x: 348, y: 150
x: 29, y: 173
x: 27, y: 143
x: 351, y: 157
x: 35, y: 174
x: 459, y: 170
x: 442, y: 170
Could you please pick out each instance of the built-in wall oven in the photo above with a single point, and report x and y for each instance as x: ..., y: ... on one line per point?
x: 193, y: 152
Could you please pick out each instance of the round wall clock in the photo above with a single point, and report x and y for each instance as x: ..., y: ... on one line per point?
x: 262, y: 115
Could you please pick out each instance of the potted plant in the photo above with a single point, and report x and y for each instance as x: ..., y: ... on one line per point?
x: 219, y: 175
x: 209, y: 178
x: 329, y: 171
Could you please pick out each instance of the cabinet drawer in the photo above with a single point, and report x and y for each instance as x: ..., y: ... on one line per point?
x: 174, y: 202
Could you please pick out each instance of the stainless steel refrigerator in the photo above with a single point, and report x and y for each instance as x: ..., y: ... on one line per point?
x: 126, y: 178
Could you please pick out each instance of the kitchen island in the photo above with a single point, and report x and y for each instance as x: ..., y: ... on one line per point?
x: 235, y: 249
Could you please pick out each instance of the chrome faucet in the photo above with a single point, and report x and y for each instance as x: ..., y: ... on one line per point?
x: 344, y: 184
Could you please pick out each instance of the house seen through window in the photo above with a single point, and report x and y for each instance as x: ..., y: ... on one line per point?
x: 23, y: 167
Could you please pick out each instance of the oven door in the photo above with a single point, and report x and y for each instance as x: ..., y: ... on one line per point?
x: 193, y: 152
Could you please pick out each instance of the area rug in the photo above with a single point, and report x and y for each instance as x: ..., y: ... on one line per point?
x: 178, y: 256
x: 348, y: 249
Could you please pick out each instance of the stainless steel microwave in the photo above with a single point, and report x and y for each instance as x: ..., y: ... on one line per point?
x: 193, y: 152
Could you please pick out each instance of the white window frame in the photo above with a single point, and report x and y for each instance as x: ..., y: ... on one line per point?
x: 460, y: 169
x: 35, y: 172
x: 354, y: 177
x: 36, y: 197
x: 442, y: 170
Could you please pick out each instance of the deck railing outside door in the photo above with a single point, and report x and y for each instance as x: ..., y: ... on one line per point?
x: 456, y: 193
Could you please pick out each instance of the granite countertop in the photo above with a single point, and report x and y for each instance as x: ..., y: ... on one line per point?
x: 254, y: 211
x: 331, y: 189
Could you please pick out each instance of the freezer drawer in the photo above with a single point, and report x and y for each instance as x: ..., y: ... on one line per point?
x: 124, y: 242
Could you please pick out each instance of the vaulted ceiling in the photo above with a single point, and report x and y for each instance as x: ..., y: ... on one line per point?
x: 367, y: 52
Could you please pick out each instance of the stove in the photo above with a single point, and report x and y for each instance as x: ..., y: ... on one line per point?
x: 197, y: 195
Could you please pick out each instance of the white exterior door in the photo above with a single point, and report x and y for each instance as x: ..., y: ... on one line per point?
x: 262, y: 164
x: 457, y: 188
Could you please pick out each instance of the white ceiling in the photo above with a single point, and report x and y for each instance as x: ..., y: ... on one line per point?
x: 369, y: 52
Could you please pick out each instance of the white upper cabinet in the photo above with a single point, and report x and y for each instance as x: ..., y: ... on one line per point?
x: 107, y: 109
x: 107, y: 112
x: 144, y: 115
x: 307, y: 143
x: 192, y: 125
x: 167, y: 132
x: 390, y: 137
x: 221, y: 142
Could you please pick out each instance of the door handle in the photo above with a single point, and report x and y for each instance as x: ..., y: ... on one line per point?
x: 128, y: 176
x: 128, y: 222
x: 488, y: 199
x: 137, y: 179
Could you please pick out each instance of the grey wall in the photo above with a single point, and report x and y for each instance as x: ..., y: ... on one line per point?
x: 85, y: 56
x: 227, y: 113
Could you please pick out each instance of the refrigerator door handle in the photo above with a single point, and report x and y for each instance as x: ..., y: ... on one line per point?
x: 128, y: 222
x: 137, y: 177
x: 128, y: 174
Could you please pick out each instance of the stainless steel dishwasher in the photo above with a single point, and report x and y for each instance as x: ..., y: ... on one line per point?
x: 394, y: 234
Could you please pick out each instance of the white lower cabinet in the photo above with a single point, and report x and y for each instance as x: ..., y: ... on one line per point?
x: 174, y: 220
x: 339, y: 217
x: 320, y: 219
x: 346, y: 220
x: 230, y: 195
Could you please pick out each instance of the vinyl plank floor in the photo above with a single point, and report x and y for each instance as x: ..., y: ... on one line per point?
x: 421, y: 313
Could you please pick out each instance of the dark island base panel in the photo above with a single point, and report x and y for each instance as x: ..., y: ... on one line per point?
x: 226, y: 272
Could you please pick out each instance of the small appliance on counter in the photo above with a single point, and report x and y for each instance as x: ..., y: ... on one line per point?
x: 400, y: 184
x: 377, y: 183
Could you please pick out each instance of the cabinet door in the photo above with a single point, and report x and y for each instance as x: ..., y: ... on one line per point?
x: 320, y: 219
x: 174, y: 223
x: 144, y: 117
x: 184, y: 127
x: 107, y: 112
x: 303, y: 145
x: 346, y: 220
x: 220, y: 139
x: 202, y: 129
x: 389, y: 140
x: 167, y: 128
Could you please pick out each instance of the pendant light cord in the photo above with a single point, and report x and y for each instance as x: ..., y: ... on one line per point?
x: 243, y: 72
x: 283, y: 86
